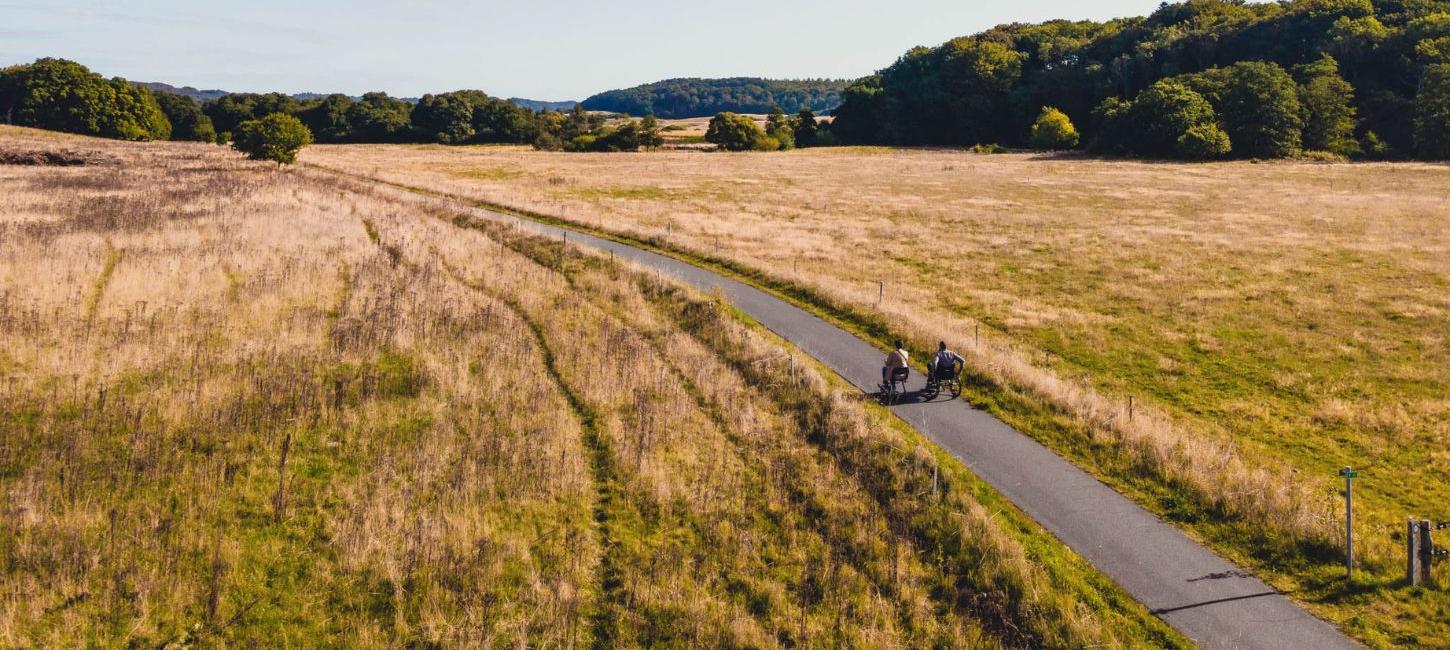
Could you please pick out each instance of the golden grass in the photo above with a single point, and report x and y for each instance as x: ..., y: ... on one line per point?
x: 248, y: 406
x: 1272, y: 322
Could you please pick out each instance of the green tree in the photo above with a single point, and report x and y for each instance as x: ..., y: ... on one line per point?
x: 63, y: 95
x: 379, y: 118
x: 447, y: 117
x: 733, y: 132
x: 1053, y: 130
x: 781, y: 128
x: 1261, y: 110
x: 806, y: 128
x: 327, y: 118
x: 1203, y: 141
x: 649, y: 133
x: 1432, y: 114
x: 230, y: 110
x: 277, y: 137
x: 187, y: 120
x: 1329, y: 112
x: 499, y: 120
x: 1156, y: 121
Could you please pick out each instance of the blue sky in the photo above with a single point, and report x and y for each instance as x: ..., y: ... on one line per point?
x: 559, y: 50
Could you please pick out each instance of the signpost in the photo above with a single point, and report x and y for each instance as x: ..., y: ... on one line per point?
x: 1349, y: 476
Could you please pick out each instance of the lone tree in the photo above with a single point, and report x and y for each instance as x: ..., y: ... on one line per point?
x: 733, y: 132
x: 277, y: 137
x: 1053, y: 130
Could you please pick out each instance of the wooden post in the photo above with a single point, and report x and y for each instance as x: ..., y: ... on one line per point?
x: 1412, y: 553
x: 880, y: 291
x: 1349, y: 475
x: 1130, y: 408
x: 977, y: 335
x: 1427, y: 551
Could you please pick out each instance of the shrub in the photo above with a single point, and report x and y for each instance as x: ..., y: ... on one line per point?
x: 277, y: 137
x: 1203, y: 141
x: 1053, y: 130
x: 781, y: 128
x: 1157, y: 121
x: 733, y: 132
x: 988, y: 148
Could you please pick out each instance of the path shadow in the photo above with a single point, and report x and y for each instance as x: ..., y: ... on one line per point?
x: 1168, y: 610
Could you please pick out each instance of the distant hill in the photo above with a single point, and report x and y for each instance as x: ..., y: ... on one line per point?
x: 538, y: 105
x: 204, y: 96
x: 188, y: 91
x: 696, y: 97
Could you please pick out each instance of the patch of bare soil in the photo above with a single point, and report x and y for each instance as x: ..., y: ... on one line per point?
x: 54, y: 158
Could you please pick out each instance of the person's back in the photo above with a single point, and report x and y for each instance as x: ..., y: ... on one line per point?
x: 897, y: 358
x: 944, y: 364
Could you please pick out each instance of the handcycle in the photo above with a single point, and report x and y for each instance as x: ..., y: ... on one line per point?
x: 947, y: 379
x: 891, y: 390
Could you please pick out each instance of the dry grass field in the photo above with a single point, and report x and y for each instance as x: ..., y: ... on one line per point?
x: 1271, y: 322
x: 242, y: 406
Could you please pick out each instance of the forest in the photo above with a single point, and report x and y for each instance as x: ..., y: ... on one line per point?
x: 63, y: 95
x: 694, y: 97
x: 1201, y: 79
x: 1196, y: 79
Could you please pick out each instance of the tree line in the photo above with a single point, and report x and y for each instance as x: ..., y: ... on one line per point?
x: 66, y: 96
x: 1195, y: 79
x: 694, y: 97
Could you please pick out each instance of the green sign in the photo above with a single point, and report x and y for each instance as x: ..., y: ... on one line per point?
x: 1349, y: 474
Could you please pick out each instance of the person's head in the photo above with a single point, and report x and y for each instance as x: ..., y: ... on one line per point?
x: 898, y: 344
x: 941, y: 345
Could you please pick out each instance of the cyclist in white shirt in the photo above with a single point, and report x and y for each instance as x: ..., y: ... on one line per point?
x: 895, y: 359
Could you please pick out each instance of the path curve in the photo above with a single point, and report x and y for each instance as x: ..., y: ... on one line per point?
x: 1213, y: 602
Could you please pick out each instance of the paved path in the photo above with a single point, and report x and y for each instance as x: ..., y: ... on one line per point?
x: 1203, y: 596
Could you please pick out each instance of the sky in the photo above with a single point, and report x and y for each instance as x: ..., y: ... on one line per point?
x: 537, y: 49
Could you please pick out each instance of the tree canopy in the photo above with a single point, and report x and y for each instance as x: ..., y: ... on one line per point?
x: 187, y: 120
x: 277, y: 137
x: 1053, y: 130
x: 1327, y: 75
x: 64, y: 95
x: 733, y: 132
x: 694, y: 97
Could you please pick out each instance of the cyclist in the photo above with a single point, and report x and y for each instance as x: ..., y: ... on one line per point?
x: 944, y: 364
x: 895, y: 359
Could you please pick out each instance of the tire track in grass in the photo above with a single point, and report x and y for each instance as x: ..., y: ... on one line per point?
x: 555, y: 255
x: 604, y: 625
x: 715, y: 411
x: 98, y: 290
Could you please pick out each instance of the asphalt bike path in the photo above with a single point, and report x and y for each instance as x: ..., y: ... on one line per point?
x: 1203, y: 596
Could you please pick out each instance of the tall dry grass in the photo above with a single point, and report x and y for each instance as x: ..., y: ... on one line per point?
x: 1270, y: 323
x: 1262, y: 316
x: 244, y: 406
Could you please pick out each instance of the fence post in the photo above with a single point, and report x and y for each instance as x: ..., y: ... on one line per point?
x: 1427, y: 551
x: 880, y: 291
x: 1348, y: 475
x: 1412, y: 553
x: 1130, y: 408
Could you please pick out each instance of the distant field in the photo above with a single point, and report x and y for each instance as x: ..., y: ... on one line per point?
x: 1272, y: 322
x: 253, y: 407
